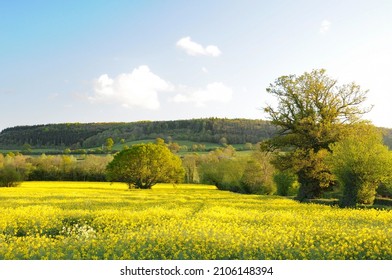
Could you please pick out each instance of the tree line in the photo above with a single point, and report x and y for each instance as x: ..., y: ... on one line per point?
x: 152, y: 162
x: 54, y: 167
x: 91, y: 137
x: 81, y: 136
x: 223, y: 167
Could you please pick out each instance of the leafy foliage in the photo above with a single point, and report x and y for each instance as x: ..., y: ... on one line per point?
x: 69, y: 168
x: 145, y: 165
x: 9, y: 177
x: 286, y: 183
x: 59, y: 167
x: 385, y: 189
x: 222, y: 168
x: 225, y: 174
x: 258, y: 174
x: 109, y: 144
x: 190, y: 162
x: 227, y: 171
x: 312, y: 113
x: 77, y: 135
x: 361, y: 162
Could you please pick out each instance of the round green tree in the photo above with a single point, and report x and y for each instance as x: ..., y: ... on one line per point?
x: 145, y: 165
x: 109, y: 144
x: 9, y: 177
x: 361, y: 162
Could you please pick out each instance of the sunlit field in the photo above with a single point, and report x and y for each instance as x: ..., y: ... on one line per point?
x: 63, y: 220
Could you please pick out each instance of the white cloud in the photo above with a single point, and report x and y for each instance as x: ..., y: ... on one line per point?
x: 325, y: 26
x: 137, y: 89
x: 194, y: 49
x: 216, y: 92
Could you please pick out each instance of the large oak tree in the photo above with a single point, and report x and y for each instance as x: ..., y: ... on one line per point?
x: 312, y: 112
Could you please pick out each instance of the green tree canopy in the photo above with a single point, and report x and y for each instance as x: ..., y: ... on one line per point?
x: 26, y: 148
x: 361, y: 162
x: 9, y: 177
x: 145, y: 165
x: 312, y: 112
x: 258, y: 174
x: 109, y: 144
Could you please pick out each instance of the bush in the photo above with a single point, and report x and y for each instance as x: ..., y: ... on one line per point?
x: 224, y: 174
x: 257, y: 179
x: 361, y: 162
x: 286, y: 183
x: 9, y: 177
x: 367, y: 193
x: 383, y: 201
x: 250, y: 175
x: 385, y: 189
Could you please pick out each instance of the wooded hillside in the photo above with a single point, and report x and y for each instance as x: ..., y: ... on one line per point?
x: 88, y: 135
x: 78, y: 135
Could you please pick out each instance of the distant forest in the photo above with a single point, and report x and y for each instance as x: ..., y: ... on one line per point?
x: 78, y: 135
x: 89, y: 135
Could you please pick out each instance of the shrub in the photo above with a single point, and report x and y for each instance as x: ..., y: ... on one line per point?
x: 224, y: 174
x: 250, y: 175
x: 385, y: 189
x: 383, y: 201
x: 286, y: 183
x: 9, y: 177
x: 257, y: 179
x: 361, y: 162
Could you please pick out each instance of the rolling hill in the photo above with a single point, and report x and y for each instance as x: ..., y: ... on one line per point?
x: 88, y: 135
x: 91, y: 135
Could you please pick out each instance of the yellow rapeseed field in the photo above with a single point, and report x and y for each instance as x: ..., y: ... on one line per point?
x: 64, y: 220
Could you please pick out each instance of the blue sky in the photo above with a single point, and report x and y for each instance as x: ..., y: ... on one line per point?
x: 104, y: 61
